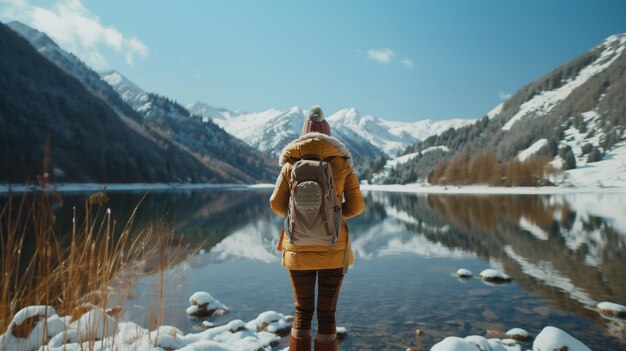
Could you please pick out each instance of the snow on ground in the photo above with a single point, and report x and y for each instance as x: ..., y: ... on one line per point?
x: 495, y: 111
x: 577, y: 138
x: 393, y: 163
x: 610, y: 172
x: 420, y: 188
x: 531, y: 150
x: 65, y: 335
x: 542, y: 103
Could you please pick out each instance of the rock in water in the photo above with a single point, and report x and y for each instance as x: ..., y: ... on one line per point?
x: 205, y: 305
x: 554, y: 339
x: 463, y: 273
x: 342, y: 332
x: 494, y: 276
x: 612, y: 309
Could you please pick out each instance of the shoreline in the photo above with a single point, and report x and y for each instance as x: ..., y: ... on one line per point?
x: 115, y: 187
x: 415, y: 188
x: 488, y: 190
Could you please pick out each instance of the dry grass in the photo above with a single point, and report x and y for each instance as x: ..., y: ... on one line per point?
x: 74, y: 272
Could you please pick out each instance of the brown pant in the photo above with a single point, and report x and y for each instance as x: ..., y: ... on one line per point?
x: 303, y: 284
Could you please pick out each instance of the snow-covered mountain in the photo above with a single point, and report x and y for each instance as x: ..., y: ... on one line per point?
x: 367, y: 136
x: 575, y: 114
x: 45, y: 107
x: 269, y: 130
x: 212, y: 112
x: 72, y: 65
x: 221, y: 157
x: 200, y: 135
x: 389, y: 136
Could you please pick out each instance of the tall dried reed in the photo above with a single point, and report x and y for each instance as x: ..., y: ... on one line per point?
x: 73, y: 272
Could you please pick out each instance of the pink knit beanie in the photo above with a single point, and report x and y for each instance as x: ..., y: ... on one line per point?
x: 315, y: 122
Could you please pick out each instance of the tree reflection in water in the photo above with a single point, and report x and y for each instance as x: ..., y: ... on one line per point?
x: 573, y: 259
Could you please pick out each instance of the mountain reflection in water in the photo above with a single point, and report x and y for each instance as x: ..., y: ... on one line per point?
x: 565, y: 253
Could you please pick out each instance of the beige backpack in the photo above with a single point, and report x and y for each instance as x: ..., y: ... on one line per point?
x: 313, y: 216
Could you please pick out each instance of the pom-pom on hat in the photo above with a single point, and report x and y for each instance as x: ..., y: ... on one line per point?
x: 315, y: 121
x: 315, y: 113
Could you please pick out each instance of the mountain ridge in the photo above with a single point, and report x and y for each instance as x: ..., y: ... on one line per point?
x: 579, y: 108
x: 45, y: 111
x: 205, y: 143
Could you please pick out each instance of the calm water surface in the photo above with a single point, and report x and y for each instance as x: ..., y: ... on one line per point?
x: 564, y: 253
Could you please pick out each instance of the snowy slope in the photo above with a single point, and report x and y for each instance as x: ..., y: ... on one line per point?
x: 367, y: 135
x: 391, y: 137
x: 269, y: 130
x: 210, y: 112
x: 575, y: 112
x: 128, y: 91
x: 544, y: 102
x: 379, y: 178
x: 75, y: 67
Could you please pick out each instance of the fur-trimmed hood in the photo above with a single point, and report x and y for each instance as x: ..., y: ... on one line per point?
x: 315, y: 143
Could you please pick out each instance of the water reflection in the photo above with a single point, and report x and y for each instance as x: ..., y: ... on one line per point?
x: 547, y: 244
x: 564, y: 253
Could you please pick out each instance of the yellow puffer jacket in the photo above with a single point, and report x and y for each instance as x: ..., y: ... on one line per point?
x: 346, y: 184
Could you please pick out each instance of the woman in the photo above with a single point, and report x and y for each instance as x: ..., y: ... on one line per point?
x: 326, y: 263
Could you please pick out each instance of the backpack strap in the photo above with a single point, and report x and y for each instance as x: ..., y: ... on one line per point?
x: 291, y: 160
x: 321, y: 177
x: 292, y: 220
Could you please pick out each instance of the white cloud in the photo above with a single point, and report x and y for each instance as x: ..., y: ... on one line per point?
x: 504, y: 96
x: 76, y: 29
x: 381, y: 55
x: 407, y: 62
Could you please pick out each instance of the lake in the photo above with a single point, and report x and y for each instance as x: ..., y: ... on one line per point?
x: 565, y: 253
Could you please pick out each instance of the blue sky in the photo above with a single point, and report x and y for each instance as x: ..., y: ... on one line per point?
x: 400, y: 60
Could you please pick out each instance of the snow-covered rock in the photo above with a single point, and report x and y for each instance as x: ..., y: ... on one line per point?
x: 518, y: 334
x: 555, y: 339
x: 272, y: 322
x: 342, y: 332
x: 205, y: 305
x: 492, y: 275
x: 65, y: 335
x: 166, y: 337
x: 464, y: 273
x: 453, y: 343
x: 95, y: 324
x: 30, y: 327
x: 612, y: 309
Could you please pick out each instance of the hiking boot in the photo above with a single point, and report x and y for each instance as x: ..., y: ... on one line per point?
x: 300, y: 344
x: 327, y: 346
